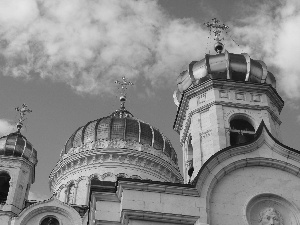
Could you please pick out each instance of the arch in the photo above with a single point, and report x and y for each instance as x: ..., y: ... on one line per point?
x: 49, y: 219
x: 207, y: 185
x: 52, y: 207
x: 241, y: 129
x: 108, y: 177
x: 5, y: 180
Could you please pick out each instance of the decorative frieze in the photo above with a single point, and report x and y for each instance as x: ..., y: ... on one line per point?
x: 223, y: 94
x: 240, y: 96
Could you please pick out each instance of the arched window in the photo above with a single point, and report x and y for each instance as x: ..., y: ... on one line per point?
x: 50, y: 220
x: 189, y: 158
x: 71, y: 194
x: 4, y: 187
x: 241, y: 130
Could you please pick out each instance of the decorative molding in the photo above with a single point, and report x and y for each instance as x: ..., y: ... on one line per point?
x: 119, y: 158
x: 127, y: 215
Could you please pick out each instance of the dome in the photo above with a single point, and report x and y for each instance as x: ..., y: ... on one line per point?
x: 238, y: 67
x: 16, y: 145
x: 120, y: 125
x: 118, y: 145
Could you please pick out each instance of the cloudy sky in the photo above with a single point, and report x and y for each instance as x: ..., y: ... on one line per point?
x: 61, y: 57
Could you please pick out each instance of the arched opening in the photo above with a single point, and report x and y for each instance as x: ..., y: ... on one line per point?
x: 189, y: 158
x: 71, y: 194
x: 4, y: 187
x: 241, y: 130
x: 50, y: 220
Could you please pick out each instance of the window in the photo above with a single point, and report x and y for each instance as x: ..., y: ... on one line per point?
x: 241, y: 130
x: 71, y: 194
x: 50, y: 220
x: 4, y: 187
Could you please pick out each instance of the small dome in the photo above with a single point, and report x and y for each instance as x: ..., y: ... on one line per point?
x: 238, y: 67
x: 123, y: 126
x: 15, y: 144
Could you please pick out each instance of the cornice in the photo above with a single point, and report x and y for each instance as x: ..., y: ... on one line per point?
x: 160, y: 187
x: 127, y: 215
x: 224, y: 84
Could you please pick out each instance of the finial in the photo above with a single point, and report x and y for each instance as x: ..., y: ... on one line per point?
x: 23, y: 111
x: 123, y: 88
x: 217, y: 29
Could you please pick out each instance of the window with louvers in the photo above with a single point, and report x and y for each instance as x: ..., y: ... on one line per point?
x: 103, y: 129
x: 146, y: 134
x: 89, y: 133
x: 117, y: 128
x: 132, y: 130
x: 158, y: 140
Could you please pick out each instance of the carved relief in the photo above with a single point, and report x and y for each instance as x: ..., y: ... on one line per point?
x: 201, y: 99
x: 267, y: 209
x: 223, y: 94
x: 270, y: 216
x: 256, y: 97
x: 240, y: 96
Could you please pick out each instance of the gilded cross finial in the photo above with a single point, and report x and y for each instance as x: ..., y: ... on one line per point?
x: 122, y: 86
x: 217, y: 29
x: 22, y: 111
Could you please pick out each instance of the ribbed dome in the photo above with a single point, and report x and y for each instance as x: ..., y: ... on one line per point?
x: 123, y: 126
x: 238, y: 67
x: 15, y: 144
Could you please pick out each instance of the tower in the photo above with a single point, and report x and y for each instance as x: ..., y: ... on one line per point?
x: 18, y: 159
x: 221, y: 102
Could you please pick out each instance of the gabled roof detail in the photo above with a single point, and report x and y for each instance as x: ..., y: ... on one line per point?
x: 244, y: 155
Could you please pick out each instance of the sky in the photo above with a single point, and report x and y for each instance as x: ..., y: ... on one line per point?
x: 61, y: 58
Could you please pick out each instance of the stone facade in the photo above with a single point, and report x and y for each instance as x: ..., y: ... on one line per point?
x: 236, y: 170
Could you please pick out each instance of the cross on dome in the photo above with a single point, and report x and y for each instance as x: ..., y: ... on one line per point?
x: 123, y: 88
x: 22, y: 111
x: 217, y: 29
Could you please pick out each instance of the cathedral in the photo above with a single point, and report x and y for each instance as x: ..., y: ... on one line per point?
x: 120, y: 170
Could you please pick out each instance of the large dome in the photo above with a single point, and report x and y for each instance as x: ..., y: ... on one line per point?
x: 113, y: 146
x: 123, y: 126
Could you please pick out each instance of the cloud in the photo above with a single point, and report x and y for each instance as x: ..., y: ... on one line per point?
x: 37, y: 196
x: 298, y: 119
x: 87, y: 44
x: 6, y: 127
x: 271, y: 32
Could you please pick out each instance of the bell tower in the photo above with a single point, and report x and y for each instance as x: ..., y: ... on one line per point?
x: 18, y: 159
x: 221, y: 100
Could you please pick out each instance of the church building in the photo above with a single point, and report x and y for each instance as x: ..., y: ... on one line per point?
x: 120, y: 170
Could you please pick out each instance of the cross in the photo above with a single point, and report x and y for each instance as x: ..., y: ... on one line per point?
x: 23, y: 111
x: 217, y: 28
x: 123, y: 85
